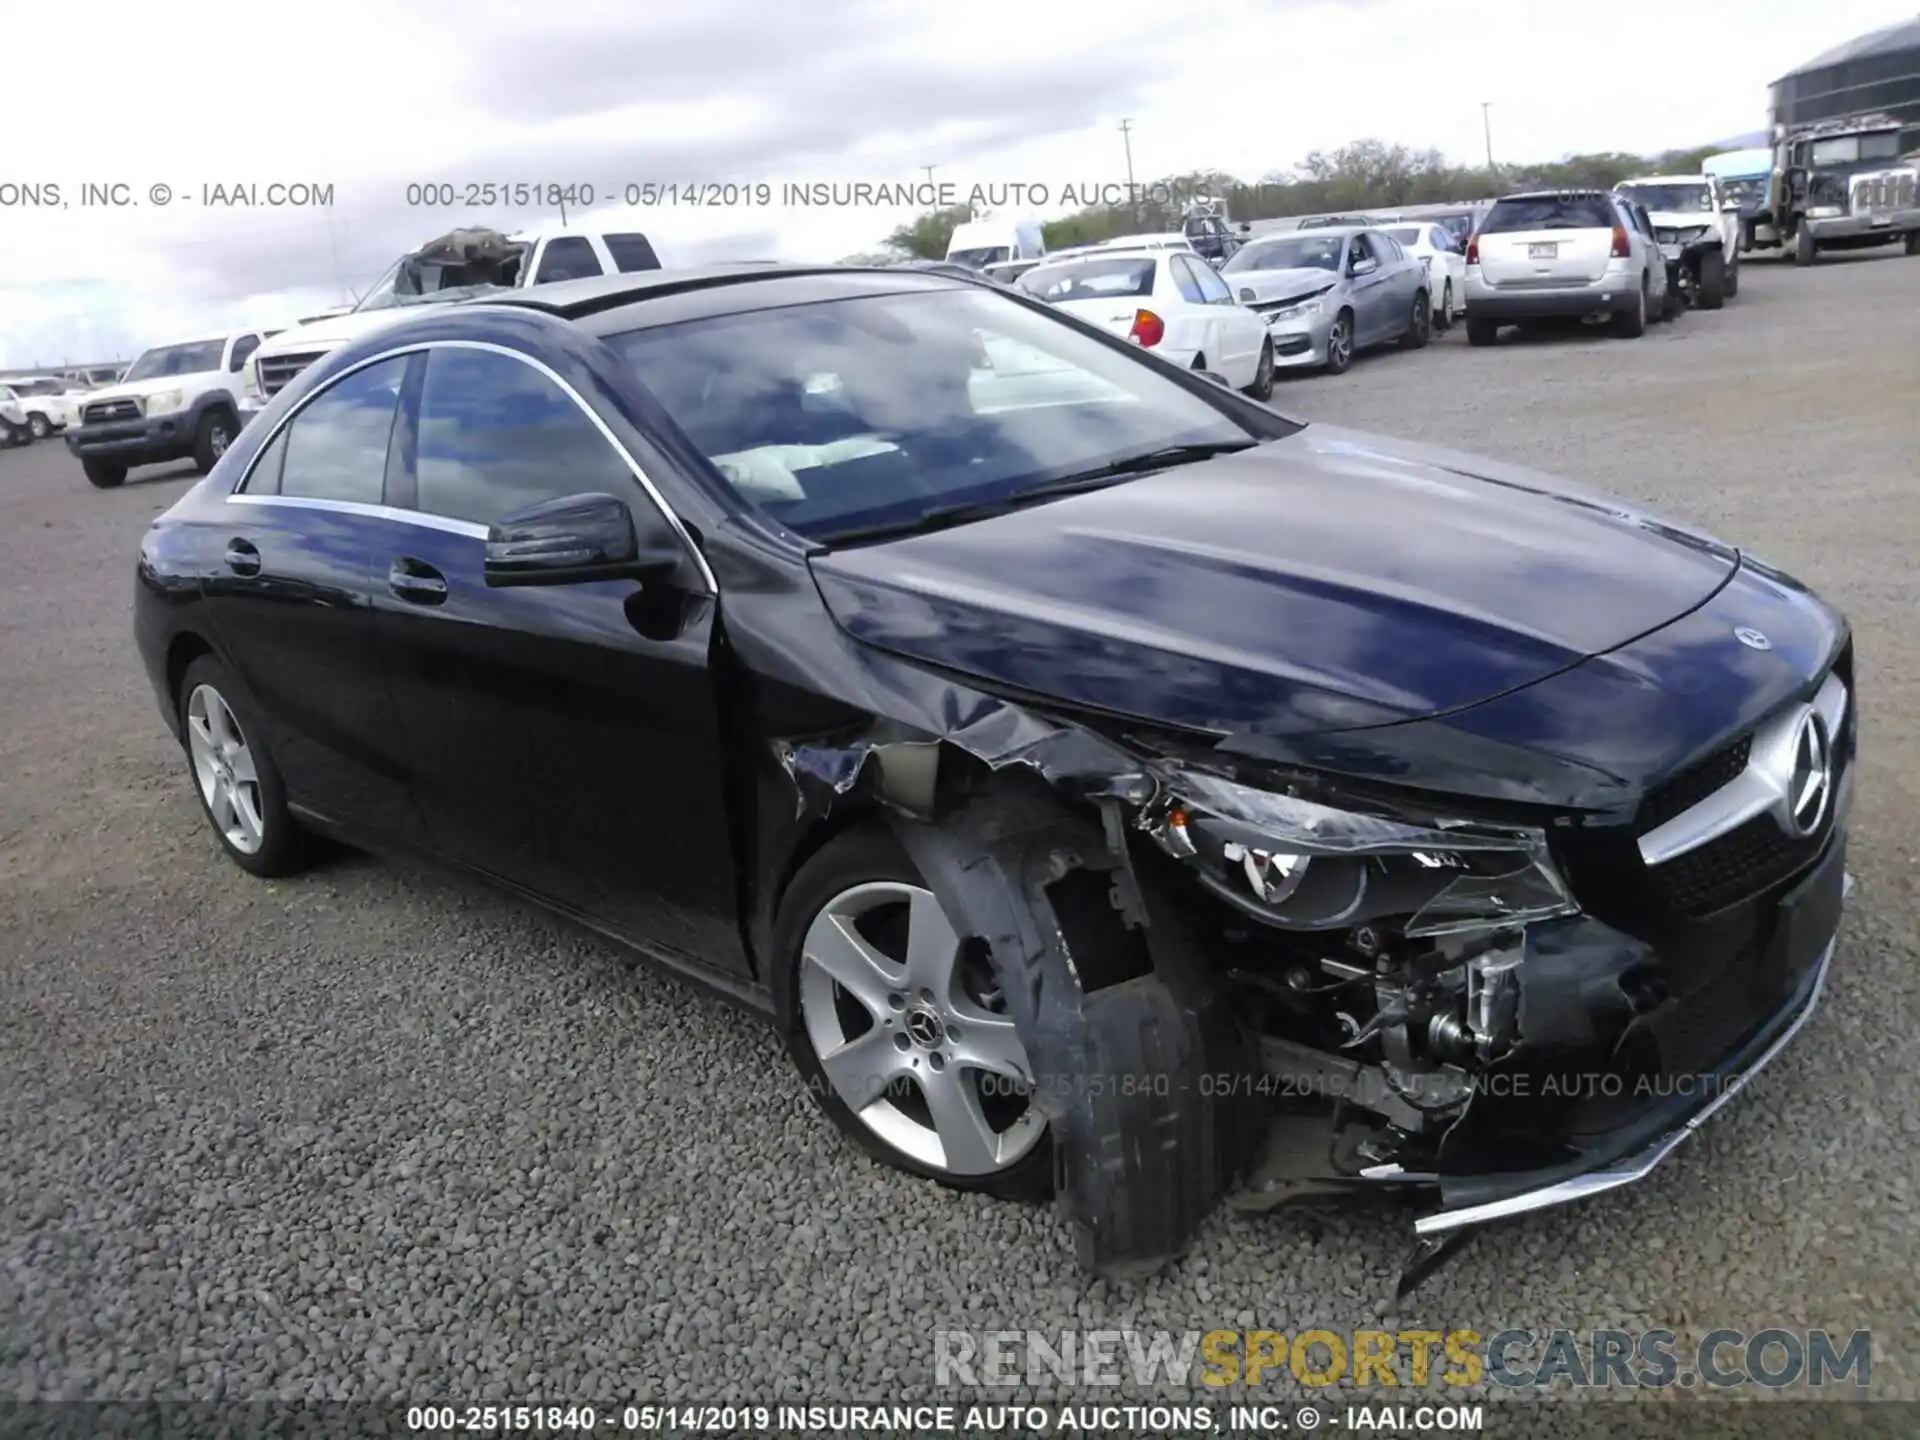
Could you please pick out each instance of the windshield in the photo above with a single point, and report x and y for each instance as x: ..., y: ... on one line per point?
x: 1670, y: 197
x: 1550, y: 212
x: 1295, y: 252
x: 981, y: 255
x: 192, y: 359
x: 1128, y: 275
x: 1845, y: 149
x: 846, y: 414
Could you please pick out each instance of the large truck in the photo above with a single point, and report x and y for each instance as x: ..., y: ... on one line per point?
x: 1840, y: 185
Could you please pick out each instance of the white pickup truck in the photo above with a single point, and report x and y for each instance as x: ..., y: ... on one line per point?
x: 174, y: 402
x: 456, y: 266
x: 48, y: 403
x: 1698, y: 227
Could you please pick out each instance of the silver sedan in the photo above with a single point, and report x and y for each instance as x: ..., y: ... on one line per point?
x: 1329, y: 293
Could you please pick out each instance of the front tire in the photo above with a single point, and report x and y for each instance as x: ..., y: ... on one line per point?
x: 240, y: 789
x: 37, y: 423
x: 104, y: 474
x: 210, y: 441
x: 1262, y: 387
x: 1913, y: 242
x: 899, y: 1027
x: 1805, y: 249
x: 1733, y: 276
x: 1340, y: 343
x: 1420, y: 323
x: 1712, y: 284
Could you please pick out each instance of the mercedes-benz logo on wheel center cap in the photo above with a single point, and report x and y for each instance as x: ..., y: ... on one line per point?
x: 1752, y: 639
x: 1812, y: 782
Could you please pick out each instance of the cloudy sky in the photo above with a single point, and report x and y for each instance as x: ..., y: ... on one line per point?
x: 368, y: 97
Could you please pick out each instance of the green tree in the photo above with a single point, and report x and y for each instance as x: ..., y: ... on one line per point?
x: 926, y: 236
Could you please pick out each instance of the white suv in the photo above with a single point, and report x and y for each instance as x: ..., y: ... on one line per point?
x: 174, y: 402
x: 48, y: 403
x: 1561, y: 254
x: 457, y: 266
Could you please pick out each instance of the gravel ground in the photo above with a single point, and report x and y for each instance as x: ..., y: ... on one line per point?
x: 378, y: 1133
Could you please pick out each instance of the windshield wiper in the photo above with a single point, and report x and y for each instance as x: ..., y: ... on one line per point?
x: 1097, y: 477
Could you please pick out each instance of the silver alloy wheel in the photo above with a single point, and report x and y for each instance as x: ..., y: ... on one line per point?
x: 1339, y: 344
x: 38, y: 424
x: 217, y: 439
x: 930, y: 1052
x: 223, y: 765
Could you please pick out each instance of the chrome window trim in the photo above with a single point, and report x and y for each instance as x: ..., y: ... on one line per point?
x: 370, y: 512
x: 238, y: 494
x: 1764, y: 786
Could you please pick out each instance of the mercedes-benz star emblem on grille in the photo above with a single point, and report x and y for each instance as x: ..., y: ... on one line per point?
x: 1812, y: 783
x: 1752, y: 639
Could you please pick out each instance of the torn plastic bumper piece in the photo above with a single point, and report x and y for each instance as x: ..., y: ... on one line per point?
x: 1143, y: 1148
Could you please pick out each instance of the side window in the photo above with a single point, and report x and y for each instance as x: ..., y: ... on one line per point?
x: 631, y: 253
x: 336, y: 448
x: 1211, y: 285
x: 1358, y: 250
x: 264, y: 478
x: 567, y: 257
x: 242, y: 348
x: 1188, y: 282
x: 497, y: 436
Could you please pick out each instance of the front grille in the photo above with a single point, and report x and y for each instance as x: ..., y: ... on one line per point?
x: 1878, y: 194
x: 101, y: 411
x: 1694, y: 784
x: 277, y: 370
x: 1728, y: 869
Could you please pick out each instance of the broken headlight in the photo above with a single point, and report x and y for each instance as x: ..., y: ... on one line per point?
x: 1304, y: 865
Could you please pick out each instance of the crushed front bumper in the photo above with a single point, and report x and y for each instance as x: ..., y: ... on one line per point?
x: 1715, y: 1090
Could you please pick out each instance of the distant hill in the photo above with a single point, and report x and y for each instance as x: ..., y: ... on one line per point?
x: 1752, y: 140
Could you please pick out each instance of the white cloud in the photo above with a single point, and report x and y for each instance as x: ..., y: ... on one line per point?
x: 366, y: 98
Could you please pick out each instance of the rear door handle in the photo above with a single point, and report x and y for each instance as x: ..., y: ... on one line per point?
x: 417, y: 582
x: 242, y: 558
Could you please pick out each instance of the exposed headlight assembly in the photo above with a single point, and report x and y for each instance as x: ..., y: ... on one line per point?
x: 164, y: 402
x: 1303, y: 865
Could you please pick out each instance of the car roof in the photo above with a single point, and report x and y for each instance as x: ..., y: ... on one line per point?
x: 1318, y: 232
x: 1580, y: 192
x: 613, y: 304
x: 1664, y: 180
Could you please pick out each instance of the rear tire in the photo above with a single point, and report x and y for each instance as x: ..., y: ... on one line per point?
x: 1481, y: 332
x: 104, y: 474
x: 1913, y: 242
x: 1712, y: 287
x: 1420, y: 323
x: 240, y: 789
x: 1262, y: 387
x: 1632, y: 324
x: 1445, y: 320
x: 850, y: 877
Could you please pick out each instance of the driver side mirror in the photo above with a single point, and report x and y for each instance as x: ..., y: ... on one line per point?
x: 1365, y: 265
x: 575, y: 539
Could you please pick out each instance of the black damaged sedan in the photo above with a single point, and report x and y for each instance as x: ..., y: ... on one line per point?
x: 1111, y: 788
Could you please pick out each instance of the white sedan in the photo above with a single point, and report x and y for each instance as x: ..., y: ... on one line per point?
x: 1168, y: 301
x: 1446, y: 267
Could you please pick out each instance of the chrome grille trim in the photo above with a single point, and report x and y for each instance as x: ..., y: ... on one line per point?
x: 1764, y: 785
x: 277, y: 370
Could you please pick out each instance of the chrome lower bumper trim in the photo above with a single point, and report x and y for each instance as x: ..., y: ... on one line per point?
x: 1634, y: 1167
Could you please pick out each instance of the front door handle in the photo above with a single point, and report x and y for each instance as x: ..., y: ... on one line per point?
x: 242, y: 558
x: 417, y: 582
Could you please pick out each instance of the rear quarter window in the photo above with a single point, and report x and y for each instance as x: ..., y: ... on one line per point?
x: 1551, y: 212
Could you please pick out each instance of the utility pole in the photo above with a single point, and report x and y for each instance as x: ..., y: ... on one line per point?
x: 1126, y: 139
x: 929, y: 169
x: 1486, y: 125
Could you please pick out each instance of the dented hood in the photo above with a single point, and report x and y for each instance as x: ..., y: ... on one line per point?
x: 1324, y: 581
